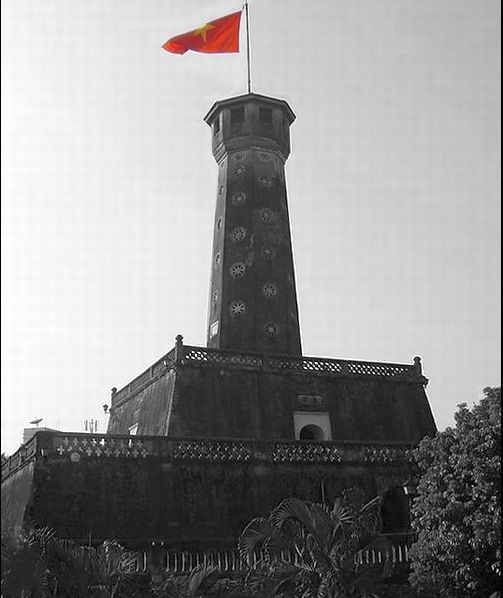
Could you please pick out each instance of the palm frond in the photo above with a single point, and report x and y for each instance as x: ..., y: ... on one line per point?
x: 199, y: 576
x: 370, y: 515
x: 252, y: 539
x: 314, y: 518
x: 282, y: 577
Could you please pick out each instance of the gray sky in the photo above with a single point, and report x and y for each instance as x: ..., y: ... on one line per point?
x: 109, y: 187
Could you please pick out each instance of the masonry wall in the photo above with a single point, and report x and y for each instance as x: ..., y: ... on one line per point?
x: 204, y: 401
x: 195, y: 504
x: 149, y: 408
x: 17, y: 492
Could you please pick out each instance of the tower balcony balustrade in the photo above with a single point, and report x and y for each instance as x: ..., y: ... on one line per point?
x: 188, y: 355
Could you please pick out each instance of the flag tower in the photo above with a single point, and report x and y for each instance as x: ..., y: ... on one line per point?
x: 253, y: 302
x: 206, y: 438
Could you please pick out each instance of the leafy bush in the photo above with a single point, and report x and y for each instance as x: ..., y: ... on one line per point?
x: 457, y: 513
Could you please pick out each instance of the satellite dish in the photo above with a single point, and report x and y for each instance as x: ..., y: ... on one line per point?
x: 37, y: 421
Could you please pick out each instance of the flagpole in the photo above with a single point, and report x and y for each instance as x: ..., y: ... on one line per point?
x: 248, y: 46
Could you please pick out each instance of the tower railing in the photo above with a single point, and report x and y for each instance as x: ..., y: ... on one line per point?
x: 188, y: 355
x: 77, y: 446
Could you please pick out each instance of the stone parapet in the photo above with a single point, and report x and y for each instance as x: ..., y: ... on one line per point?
x: 186, y: 355
x: 77, y: 446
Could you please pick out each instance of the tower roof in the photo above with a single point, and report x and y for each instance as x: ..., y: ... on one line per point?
x: 247, y: 97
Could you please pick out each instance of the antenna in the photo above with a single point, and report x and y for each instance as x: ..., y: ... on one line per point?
x: 91, y: 425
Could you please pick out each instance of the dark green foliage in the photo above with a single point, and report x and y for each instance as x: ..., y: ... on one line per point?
x: 170, y: 586
x: 308, y: 550
x: 38, y: 564
x: 457, y: 513
x: 209, y: 582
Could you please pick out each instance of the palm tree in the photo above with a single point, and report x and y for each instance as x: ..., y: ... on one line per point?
x: 24, y: 566
x: 38, y: 564
x: 309, y: 550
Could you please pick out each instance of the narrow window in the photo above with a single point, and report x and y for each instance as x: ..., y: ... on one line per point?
x: 237, y: 115
x: 216, y: 125
x: 265, y: 116
x: 285, y: 127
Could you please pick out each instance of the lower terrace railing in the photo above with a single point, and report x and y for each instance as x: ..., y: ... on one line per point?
x: 185, y: 561
x: 77, y: 446
x: 201, y: 356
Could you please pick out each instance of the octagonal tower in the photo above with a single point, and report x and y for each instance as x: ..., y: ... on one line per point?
x: 253, y: 300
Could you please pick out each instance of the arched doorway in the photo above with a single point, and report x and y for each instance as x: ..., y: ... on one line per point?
x: 311, y: 432
x: 312, y: 425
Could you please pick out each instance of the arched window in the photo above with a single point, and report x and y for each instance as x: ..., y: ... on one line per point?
x: 312, y: 425
x: 311, y: 432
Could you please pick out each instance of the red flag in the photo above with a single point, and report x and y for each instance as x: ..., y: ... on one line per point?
x: 220, y: 35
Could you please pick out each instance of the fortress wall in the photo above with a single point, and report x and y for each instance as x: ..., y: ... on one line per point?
x: 194, y: 503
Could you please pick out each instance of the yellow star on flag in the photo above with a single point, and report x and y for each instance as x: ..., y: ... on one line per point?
x: 218, y: 36
x: 203, y: 30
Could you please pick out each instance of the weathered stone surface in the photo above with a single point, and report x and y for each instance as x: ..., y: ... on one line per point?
x: 213, y: 400
x: 17, y: 491
x: 180, y: 498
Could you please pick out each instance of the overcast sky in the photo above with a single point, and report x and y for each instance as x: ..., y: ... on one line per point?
x: 109, y: 189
